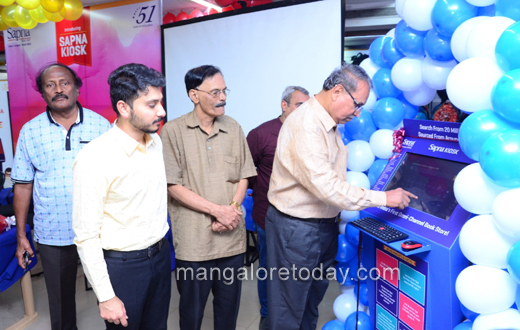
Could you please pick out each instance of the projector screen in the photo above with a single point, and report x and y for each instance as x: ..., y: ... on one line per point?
x: 260, y: 52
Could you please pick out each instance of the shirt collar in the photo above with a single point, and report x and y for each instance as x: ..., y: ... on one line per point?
x: 193, y: 121
x: 128, y: 143
x: 79, y: 119
x: 322, y: 114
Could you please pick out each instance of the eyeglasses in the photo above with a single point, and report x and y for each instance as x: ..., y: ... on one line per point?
x: 358, y: 106
x: 216, y: 92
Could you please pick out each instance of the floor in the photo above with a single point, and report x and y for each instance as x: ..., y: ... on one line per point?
x: 12, y: 310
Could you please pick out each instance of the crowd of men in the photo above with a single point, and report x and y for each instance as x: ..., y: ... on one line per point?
x: 102, y: 194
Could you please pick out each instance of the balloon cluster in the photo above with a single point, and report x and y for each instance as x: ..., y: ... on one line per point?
x: 227, y: 5
x: 28, y: 13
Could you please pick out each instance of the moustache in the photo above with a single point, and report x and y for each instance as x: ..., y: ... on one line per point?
x: 220, y: 104
x: 60, y: 95
x: 158, y: 121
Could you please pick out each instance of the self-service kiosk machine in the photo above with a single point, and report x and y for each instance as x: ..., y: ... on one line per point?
x: 413, y: 255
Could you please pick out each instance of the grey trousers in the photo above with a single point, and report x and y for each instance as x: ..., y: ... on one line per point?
x: 299, y: 252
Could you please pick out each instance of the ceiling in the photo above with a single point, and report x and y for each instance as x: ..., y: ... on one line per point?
x: 175, y: 6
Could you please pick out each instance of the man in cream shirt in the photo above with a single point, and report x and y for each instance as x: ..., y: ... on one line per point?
x: 120, y: 205
x: 307, y: 191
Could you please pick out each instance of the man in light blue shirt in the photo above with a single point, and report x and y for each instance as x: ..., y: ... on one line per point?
x: 42, y: 170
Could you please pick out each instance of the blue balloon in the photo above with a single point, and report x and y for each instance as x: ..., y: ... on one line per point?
x: 438, y: 47
x: 376, y: 51
x: 486, y: 11
x: 352, y: 233
x: 344, y: 275
x: 508, y: 8
x: 387, y: 112
x: 248, y: 205
x: 421, y: 115
x: 363, y: 321
x: 346, y: 251
x: 447, y: 15
x: 464, y: 326
x: 499, y: 158
x: 469, y: 314
x: 363, y: 295
x: 360, y: 128
x: 334, y: 325
x: 477, y: 128
x: 513, y: 263
x: 383, y: 85
x: 517, y: 300
x: 375, y: 170
x: 508, y: 47
x: 505, y: 96
x: 410, y: 110
x: 390, y: 53
x: 408, y: 41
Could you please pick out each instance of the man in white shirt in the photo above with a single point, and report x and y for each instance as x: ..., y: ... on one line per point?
x: 120, y: 205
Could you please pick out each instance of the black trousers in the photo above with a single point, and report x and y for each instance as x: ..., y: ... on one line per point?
x: 144, y: 285
x: 305, y: 248
x: 60, y: 267
x: 195, y: 280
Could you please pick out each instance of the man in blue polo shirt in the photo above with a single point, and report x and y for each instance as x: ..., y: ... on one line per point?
x: 42, y: 169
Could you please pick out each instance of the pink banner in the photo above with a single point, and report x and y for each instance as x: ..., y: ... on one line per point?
x: 104, y: 38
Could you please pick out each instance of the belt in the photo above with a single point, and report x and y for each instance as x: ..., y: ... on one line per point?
x: 144, y: 253
x: 314, y: 220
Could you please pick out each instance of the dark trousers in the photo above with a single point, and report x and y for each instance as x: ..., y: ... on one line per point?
x: 306, y: 248
x: 195, y: 280
x: 144, y: 285
x: 262, y: 273
x: 60, y: 267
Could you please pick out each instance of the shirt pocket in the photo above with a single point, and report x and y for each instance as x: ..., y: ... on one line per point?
x: 232, y: 167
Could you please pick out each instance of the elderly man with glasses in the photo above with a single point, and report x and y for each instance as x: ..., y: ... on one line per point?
x: 208, y: 164
x: 308, y: 189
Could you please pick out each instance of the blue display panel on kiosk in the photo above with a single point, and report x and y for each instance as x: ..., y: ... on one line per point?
x: 416, y: 288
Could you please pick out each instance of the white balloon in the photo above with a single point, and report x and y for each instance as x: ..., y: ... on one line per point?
x: 382, y: 143
x: 347, y: 215
x: 460, y: 37
x: 485, y: 290
x: 481, y: 3
x: 344, y: 305
x: 483, y: 243
x: 507, y: 214
x: 346, y: 288
x: 417, y: 14
x: 470, y: 83
x: 483, y: 38
x: 360, y: 156
x: 358, y: 179
x: 407, y: 74
x: 421, y: 96
x: 435, y: 73
x: 372, y: 99
x: 391, y: 33
x: 399, y: 7
x: 508, y: 319
x: 370, y: 67
x: 474, y: 190
x: 342, y: 226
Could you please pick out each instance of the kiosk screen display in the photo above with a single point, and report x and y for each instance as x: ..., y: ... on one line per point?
x: 430, y: 179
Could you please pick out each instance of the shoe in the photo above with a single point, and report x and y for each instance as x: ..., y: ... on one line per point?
x: 264, y: 323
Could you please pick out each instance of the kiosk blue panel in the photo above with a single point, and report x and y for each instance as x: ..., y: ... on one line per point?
x: 415, y: 289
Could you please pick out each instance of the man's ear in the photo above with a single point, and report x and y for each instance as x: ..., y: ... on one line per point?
x: 284, y: 105
x: 123, y: 108
x: 194, y: 96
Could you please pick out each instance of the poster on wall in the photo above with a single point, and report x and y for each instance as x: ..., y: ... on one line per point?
x: 102, y: 39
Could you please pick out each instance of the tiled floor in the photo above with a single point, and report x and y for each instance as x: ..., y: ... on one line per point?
x: 12, y: 310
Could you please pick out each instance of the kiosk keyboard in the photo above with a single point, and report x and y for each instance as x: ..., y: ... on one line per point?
x: 379, y: 230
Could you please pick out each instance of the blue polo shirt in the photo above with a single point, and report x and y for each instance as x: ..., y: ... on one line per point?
x: 44, y: 156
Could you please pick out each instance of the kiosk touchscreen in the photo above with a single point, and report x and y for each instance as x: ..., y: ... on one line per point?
x: 411, y: 281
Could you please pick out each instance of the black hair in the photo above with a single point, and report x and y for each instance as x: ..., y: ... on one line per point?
x: 130, y: 80
x: 39, y: 79
x: 7, y: 169
x: 196, y: 76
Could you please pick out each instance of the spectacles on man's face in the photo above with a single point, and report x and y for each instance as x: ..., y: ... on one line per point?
x: 357, y: 105
x: 216, y: 92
